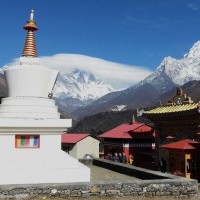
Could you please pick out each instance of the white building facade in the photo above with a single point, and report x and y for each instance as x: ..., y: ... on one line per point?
x: 78, y: 145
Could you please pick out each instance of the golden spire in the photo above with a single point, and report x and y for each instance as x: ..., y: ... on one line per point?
x: 30, y: 46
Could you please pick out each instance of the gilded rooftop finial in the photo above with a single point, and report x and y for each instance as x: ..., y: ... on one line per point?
x: 30, y: 46
x: 179, y: 98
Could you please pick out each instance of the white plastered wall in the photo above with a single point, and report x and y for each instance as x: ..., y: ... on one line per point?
x: 73, y: 151
x: 87, y: 145
x: 47, y: 164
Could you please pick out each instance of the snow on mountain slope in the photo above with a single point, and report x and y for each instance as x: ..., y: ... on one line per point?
x: 194, y: 52
x: 178, y: 71
x: 80, y: 85
x: 118, y: 107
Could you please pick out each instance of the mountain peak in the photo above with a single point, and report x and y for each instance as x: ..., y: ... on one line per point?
x: 176, y: 71
x: 81, y: 85
x: 194, y: 52
x: 84, y: 77
x: 165, y: 62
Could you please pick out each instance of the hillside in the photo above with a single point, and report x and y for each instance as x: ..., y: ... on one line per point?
x: 104, y: 121
x: 132, y: 98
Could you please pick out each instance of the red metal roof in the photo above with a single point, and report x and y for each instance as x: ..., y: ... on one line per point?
x: 183, y: 144
x: 140, y: 128
x: 120, y: 131
x: 73, y: 138
x: 123, y: 130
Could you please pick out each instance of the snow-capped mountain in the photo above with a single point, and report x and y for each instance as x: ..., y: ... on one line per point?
x: 80, y: 85
x: 170, y: 73
x: 176, y: 71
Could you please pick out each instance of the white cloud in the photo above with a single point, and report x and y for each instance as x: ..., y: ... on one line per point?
x: 117, y: 75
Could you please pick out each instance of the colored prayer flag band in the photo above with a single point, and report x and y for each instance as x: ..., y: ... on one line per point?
x: 27, y: 141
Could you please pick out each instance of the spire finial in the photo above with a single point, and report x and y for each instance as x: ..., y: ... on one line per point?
x: 30, y: 46
x: 133, y: 118
x: 32, y: 15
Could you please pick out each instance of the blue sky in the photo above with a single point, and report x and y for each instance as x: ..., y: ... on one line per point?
x: 132, y: 32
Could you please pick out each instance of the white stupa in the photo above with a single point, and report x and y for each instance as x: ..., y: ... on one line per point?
x: 30, y: 125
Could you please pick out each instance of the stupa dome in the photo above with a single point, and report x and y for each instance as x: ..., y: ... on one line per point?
x: 30, y: 80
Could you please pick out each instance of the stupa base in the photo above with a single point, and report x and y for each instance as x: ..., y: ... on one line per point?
x: 57, y: 168
x: 25, y: 162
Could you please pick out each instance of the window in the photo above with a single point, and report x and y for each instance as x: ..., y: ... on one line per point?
x: 27, y: 141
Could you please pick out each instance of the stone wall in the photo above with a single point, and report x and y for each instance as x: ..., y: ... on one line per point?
x: 139, y: 188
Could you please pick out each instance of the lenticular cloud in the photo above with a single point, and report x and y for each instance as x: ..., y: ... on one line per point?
x: 118, y: 75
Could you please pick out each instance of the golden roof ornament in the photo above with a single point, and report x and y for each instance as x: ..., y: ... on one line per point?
x: 179, y: 98
x: 179, y: 91
x: 30, y: 46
